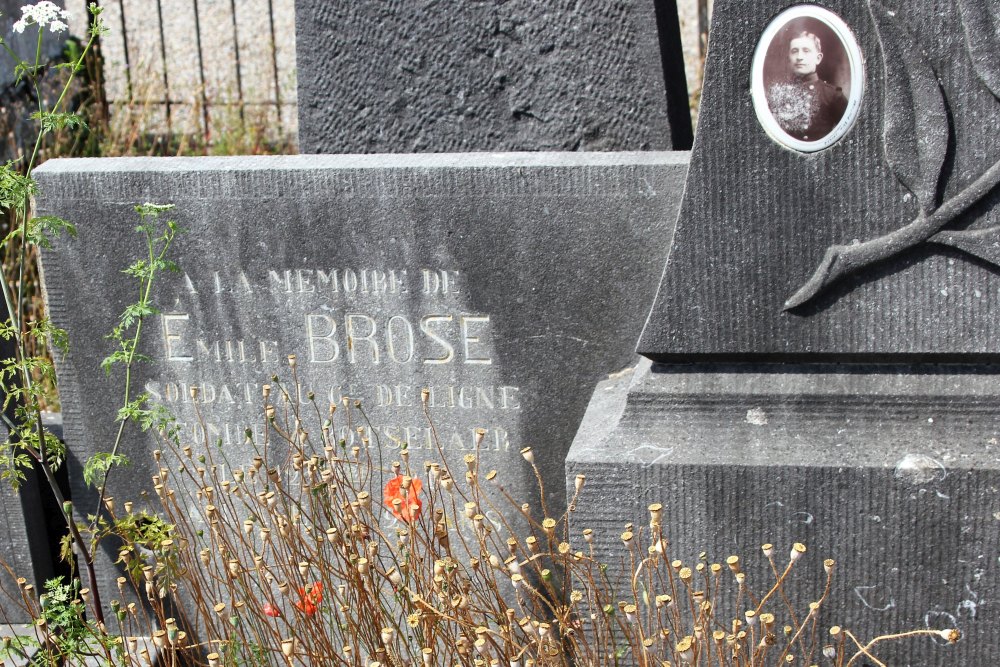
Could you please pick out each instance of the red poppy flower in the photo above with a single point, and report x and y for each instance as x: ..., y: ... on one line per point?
x: 271, y: 610
x: 309, y: 598
x: 408, y: 508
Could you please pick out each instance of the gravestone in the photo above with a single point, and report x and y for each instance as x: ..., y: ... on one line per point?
x: 402, y: 77
x: 24, y: 526
x: 822, y: 349
x: 496, y: 281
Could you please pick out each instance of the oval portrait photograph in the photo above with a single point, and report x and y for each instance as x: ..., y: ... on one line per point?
x: 807, y: 79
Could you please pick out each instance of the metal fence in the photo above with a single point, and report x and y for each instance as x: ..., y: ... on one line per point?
x: 199, y: 66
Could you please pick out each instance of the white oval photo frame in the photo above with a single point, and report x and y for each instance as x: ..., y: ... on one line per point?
x: 855, y: 61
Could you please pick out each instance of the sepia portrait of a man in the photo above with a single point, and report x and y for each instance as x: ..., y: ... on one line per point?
x: 805, y: 74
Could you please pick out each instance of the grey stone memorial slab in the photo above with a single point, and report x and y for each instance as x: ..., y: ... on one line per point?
x: 401, y: 77
x: 24, y: 547
x: 501, y: 282
x: 823, y: 342
x: 24, y: 541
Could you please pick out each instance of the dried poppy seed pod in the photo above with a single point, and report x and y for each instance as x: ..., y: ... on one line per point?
x: 213, y: 659
x: 685, y: 649
x: 480, y: 433
x: 266, y: 391
x: 588, y: 535
x: 528, y: 455
x: 288, y: 647
x: 768, y: 621
x: 950, y: 635
x: 797, y: 550
x: 549, y: 526
x: 828, y: 565
x: 292, y: 361
x: 425, y: 394
x: 734, y: 564
x: 627, y: 537
x: 655, y: 514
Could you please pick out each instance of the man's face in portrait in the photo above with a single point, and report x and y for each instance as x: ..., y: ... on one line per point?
x: 803, y: 56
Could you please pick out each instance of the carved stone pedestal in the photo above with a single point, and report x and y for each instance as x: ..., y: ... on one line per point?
x: 894, y: 472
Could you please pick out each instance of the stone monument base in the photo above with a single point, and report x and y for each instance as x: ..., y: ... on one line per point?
x: 894, y: 472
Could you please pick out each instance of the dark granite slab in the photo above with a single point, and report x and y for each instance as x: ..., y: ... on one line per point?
x: 879, y: 247
x: 893, y: 472
x: 431, y: 77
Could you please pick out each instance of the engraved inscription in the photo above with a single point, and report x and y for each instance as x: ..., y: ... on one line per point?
x: 375, y: 335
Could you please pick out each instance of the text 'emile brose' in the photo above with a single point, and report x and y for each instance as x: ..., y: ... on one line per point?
x: 364, y: 334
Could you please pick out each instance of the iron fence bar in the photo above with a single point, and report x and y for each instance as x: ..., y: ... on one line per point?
x: 128, y: 66
x: 163, y: 58
x: 236, y: 51
x: 201, y: 72
x: 274, y: 64
x: 704, y: 18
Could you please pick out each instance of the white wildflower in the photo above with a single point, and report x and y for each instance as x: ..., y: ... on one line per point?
x: 45, y: 13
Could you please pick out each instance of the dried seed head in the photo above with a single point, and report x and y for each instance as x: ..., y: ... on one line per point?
x: 528, y: 455
x: 950, y: 635
x: 768, y: 549
x: 685, y: 649
x: 579, y: 482
x: 828, y: 565
x: 797, y: 550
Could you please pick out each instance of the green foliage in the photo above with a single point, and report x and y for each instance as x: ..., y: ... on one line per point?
x: 39, y: 229
x: 52, y: 121
x: 69, y: 636
x: 16, y: 189
x: 143, y: 532
x: 158, y: 241
x: 98, y: 465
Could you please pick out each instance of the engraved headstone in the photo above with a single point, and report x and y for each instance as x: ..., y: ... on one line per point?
x: 401, y: 77
x: 836, y: 244
x: 498, y: 282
